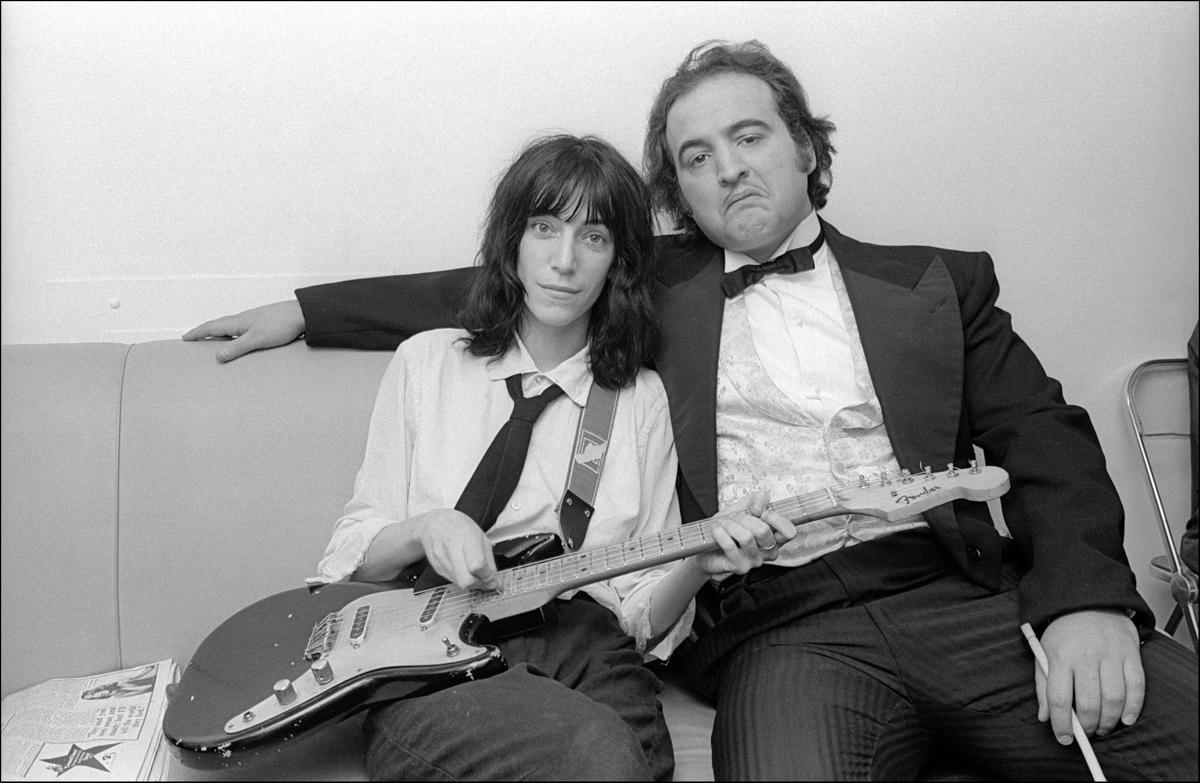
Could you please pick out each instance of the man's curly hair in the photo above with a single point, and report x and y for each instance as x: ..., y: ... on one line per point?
x: 713, y: 58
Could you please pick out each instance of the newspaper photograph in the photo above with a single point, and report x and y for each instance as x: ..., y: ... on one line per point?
x: 101, y: 727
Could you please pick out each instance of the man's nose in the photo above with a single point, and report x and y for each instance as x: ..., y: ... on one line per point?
x: 730, y: 166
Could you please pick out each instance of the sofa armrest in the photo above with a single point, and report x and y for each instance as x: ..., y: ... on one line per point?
x: 59, y: 507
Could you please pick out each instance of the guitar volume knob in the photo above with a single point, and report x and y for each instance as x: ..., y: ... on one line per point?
x: 322, y: 671
x: 284, y: 692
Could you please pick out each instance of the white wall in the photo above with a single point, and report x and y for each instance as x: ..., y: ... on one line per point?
x: 167, y: 163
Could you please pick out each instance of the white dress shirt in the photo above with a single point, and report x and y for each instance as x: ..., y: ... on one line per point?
x: 799, y: 330
x: 438, y: 409
x: 796, y: 408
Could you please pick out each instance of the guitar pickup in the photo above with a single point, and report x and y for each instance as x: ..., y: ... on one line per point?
x: 435, y: 600
x: 359, y: 626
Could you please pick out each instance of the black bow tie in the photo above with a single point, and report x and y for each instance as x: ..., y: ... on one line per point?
x: 798, y: 259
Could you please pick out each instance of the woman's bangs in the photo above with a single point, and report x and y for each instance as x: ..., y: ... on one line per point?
x: 562, y: 194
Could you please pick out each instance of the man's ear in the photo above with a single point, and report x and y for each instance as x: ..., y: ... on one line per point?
x: 804, y: 151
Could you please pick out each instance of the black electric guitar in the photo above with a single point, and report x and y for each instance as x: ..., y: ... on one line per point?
x: 303, y: 658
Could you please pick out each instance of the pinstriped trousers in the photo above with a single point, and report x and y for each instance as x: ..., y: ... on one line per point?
x: 879, y: 682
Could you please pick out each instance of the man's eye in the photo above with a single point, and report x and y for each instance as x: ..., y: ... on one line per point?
x: 597, y: 239
x: 539, y: 227
x: 753, y: 139
x: 698, y: 160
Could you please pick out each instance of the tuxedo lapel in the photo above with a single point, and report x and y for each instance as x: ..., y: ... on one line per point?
x: 911, y: 333
x: 908, y: 323
x: 691, y: 304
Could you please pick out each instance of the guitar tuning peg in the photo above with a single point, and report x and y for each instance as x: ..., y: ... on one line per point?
x: 974, y: 466
x: 951, y: 471
x: 928, y: 473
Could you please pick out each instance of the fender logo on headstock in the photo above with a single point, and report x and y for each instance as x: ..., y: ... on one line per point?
x: 904, y: 500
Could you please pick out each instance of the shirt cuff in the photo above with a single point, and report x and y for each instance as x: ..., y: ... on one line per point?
x: 346, y: 551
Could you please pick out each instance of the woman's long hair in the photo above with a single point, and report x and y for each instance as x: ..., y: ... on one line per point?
x: 559, y: 175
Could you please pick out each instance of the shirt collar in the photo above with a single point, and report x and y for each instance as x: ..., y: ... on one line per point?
x: 573, y: 375
x: 802, y: 235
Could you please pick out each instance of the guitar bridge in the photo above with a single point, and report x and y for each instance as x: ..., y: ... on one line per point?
x: 323, y: 635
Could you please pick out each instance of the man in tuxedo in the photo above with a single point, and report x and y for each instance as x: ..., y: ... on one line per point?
x: 796, y: 357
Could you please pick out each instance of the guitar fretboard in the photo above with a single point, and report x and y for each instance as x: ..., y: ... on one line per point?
x: 890, y: 496
x: 593, y: 565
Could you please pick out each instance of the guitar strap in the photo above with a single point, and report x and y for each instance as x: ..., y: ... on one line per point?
x: 587, y: 460
x: 583, y: 477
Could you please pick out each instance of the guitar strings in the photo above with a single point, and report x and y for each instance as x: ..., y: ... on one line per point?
x: 666, y: 546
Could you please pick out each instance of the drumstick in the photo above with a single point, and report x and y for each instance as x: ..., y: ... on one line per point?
x: 1080, y: 737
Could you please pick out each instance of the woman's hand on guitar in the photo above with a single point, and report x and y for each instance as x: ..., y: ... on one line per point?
x: 747, y: 539
x: 458, y: 550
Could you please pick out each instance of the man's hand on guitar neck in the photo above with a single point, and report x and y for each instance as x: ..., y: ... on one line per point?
x: 747, y: 540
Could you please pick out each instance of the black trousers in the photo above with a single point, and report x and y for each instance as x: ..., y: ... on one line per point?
x: 904, y: 658
x: 576, y: 703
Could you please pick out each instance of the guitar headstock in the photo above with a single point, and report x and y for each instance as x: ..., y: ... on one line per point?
x: 897, y: 497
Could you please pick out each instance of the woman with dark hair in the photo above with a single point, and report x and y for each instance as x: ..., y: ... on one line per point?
x: 561, y: 304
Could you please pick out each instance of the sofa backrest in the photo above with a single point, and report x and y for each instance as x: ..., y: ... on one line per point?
x: 150, y: 492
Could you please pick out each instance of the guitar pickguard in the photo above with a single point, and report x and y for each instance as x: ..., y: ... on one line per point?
x: 406, y: 635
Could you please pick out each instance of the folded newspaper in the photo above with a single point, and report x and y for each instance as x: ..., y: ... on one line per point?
x: 103, y: 727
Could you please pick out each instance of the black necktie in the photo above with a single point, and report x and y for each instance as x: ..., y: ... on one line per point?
x: 496, y: 477
x: 798, y: 259
x: 497, y: 474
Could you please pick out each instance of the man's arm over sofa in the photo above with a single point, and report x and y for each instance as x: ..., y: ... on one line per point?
x: 378, y: 313
x: 374, y: 313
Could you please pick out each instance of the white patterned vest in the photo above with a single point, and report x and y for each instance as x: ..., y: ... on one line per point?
x: 767, y: 441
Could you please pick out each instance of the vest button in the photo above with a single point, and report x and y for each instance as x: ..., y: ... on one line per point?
x: 975, y: 553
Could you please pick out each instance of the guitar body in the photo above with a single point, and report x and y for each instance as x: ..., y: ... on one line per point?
x: 224, y: 710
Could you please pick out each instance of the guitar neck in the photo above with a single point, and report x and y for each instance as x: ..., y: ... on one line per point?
x: 565, y: 572
x: 890, y: 497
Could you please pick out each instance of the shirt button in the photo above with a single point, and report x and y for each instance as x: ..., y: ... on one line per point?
x: 975, y: 553
x: 516, y: 506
